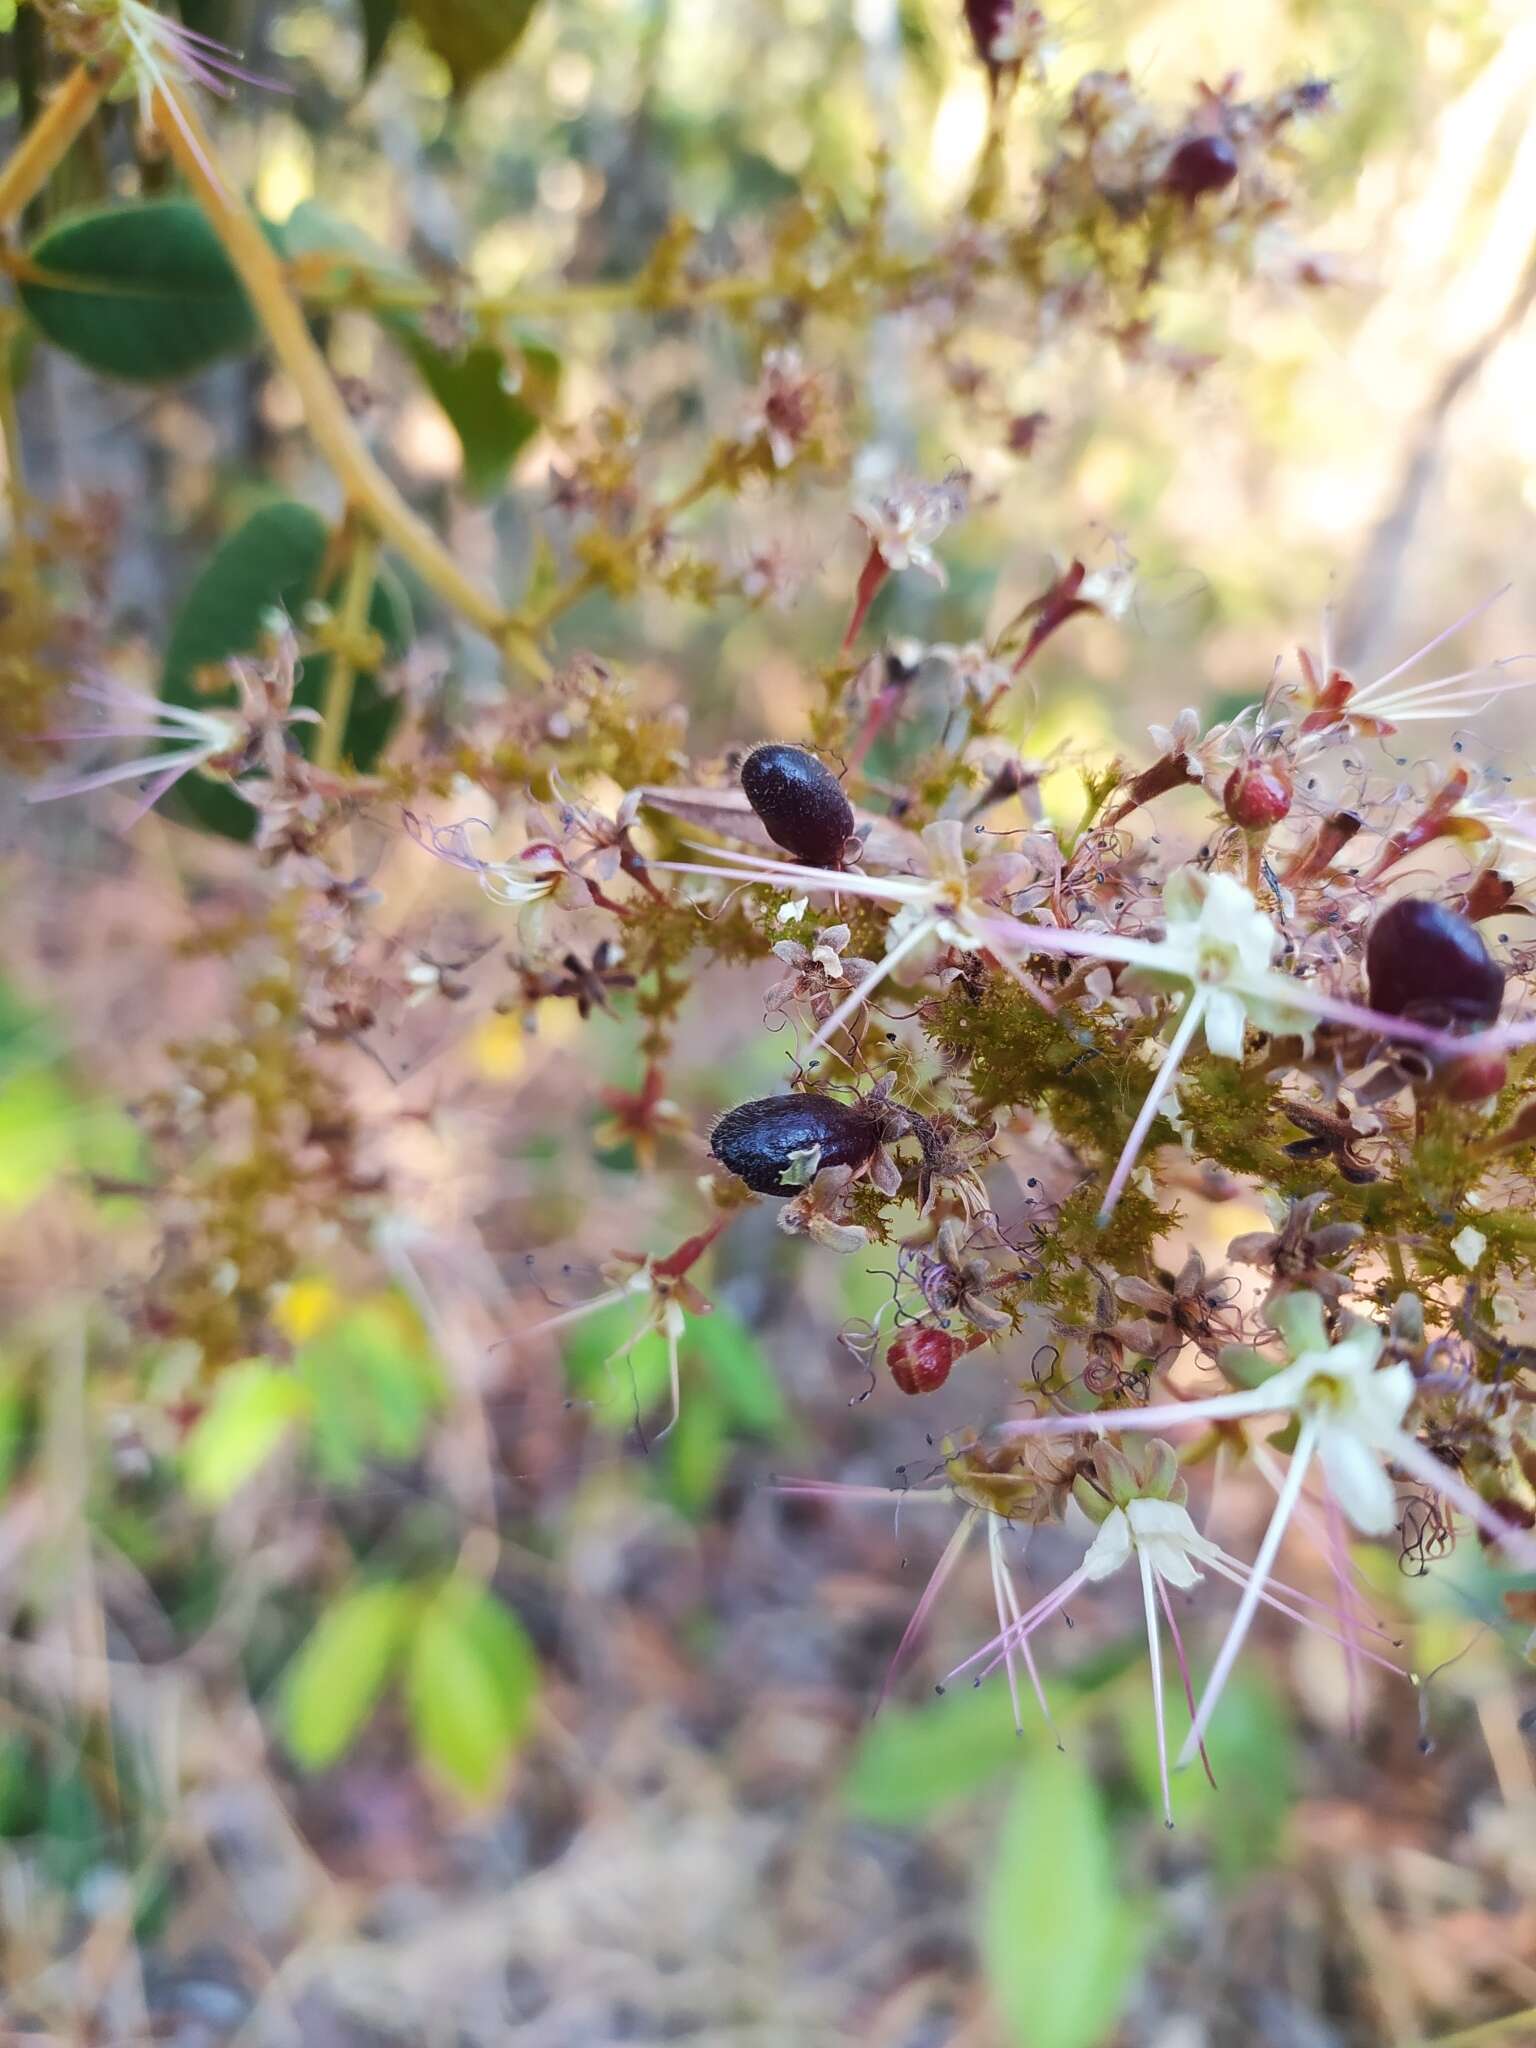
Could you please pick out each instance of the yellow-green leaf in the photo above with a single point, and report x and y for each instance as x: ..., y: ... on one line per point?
x: 254, y: 1407
x: 469, y: 1687
x: 1060, y: 1937
x: 334, y: 1683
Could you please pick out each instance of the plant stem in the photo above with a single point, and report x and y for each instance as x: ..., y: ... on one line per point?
x: 1395, y: 1264
x: 1489, y: 2031
x: 337, y: 706
x: 587, y: 580
x: 15, y: 474
x: 30, y: 164
x: 261, y: 272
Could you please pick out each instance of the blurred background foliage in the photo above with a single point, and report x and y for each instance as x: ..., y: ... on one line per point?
x: 392, y: 1687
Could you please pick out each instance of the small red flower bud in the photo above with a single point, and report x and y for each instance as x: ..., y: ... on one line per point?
x: 1257, y: 794
x: 920, y: 1359
x: 1471, y: 1076
x: 1203, y: 164
x: 800, y: 801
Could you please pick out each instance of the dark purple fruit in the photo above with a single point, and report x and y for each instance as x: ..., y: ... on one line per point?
x: 1203, y: 164
x: 1427, y: 962
x: 755, y: 1140
x: 800, y: 801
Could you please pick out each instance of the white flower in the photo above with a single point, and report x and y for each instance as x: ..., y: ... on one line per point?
x: 1469, y: 1246
x: 903, y: 523
x: 793, y: 911
x: 1161, y: 1531
x: 1352, y: 1406
x: 1219, y: 941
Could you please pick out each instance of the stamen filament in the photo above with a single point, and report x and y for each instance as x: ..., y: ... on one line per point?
x: 1164, y: 1079
x: 1155, y: 1652
x: 1253, y: 1591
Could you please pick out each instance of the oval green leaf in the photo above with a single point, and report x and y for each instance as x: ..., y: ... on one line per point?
x: 142, y: 292
x: 1059, y: 1937
x: 334, y: 1683
x: 469, y: 1687
x: 276, y: 560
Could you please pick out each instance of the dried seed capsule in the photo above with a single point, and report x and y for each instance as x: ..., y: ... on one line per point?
x: 757, y: 1140
x: 1257, y: 795
x: 1203, y: 164
x: 800, y: 801
x: 1429, y: 963
x: 920, y: 1359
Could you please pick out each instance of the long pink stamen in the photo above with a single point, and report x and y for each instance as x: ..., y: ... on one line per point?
x: 1338, y: 1563
x: 1228, y: 1568
x: 1430, y: 645
x: 942, y: 1572
x: 1155, y: 1653
x: 1000, y: 1647
x: 1184, y: 1677
x: 1163, y: 1415
x: 832, y: 1489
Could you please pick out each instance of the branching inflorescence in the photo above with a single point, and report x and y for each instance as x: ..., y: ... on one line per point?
x: 1208, y: 982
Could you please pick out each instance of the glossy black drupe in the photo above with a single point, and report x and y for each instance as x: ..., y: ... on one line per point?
x: 756, y: 1139
x: 800, y: 801
x: 1427, y: 962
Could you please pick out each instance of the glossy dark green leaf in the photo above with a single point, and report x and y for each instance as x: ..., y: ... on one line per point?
x: 276, y: 560
x: 142, y: 292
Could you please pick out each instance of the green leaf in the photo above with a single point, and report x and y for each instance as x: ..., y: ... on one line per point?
x: 915, y: 1761
x: 494, y: 423
x: 142, y: 292
x: 47, y: 1128
x: 697, y: 1451
x: 1059, y: 1938
x: 14, y: 1423
x: 374, y: 1387
x: 254, y: 1407
x: 379, y: 18
x: 1252, y: 1749
x: 739, y: 1371
x: 495, y: 397
x: 470, y: 1687
x: 274, y: 561
x: 471, y: 36
x: 334, y: 1683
